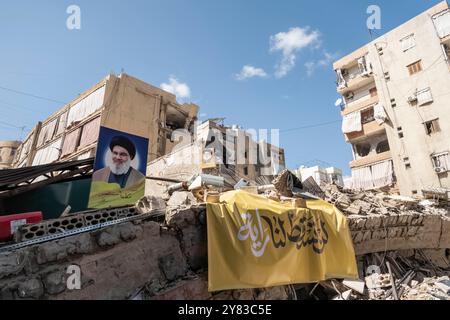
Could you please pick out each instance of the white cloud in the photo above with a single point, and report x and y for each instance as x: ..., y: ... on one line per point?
x: 250, y: 72
x: 181, y: 90
x: 327, y: 59
x: 289, y: 43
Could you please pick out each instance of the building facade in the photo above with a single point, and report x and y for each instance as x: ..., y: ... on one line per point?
x: 396, y: 106
x: 321, y: 175
x: 122, y: 103
x: 8, y: 150
x: 230, y: 152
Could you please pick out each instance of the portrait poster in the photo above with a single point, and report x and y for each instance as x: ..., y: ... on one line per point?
x: 119, y: 169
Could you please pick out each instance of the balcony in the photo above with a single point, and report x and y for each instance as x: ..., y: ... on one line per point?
x: 355, y: 81
x: 368, y: 129
x: 357, y: 106
x: 350, y: 59
x: 370, y: 159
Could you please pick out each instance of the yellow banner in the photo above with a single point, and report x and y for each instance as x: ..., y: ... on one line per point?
x: 254, y: 242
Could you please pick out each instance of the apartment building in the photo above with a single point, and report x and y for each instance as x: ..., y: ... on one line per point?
x: 321, y: 175
x: 8, y: 151
x: 119, y: 102
x: 396, y: 106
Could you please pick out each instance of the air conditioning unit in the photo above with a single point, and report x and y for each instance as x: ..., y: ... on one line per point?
x: 412, y: 99
x: 440, y: 169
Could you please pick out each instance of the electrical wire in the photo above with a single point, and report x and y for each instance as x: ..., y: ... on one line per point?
x: 310, y: 126
x: 31, y: 95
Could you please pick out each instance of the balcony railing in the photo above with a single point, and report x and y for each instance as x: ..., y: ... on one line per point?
x: 370, y: 159
x: 368, y: 129
x: 359, y: 105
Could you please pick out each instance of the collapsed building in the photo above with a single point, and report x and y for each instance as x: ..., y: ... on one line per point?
x: 229, y: 152
x: 157, y: 250
x: 394, y: 107
x: 133, y: 106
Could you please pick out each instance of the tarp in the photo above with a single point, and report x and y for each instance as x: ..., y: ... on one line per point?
x: 352, y: 122
x: 380, y: 114
x: 86, y: 106
x: 382, y: 174
x: 254, y: 242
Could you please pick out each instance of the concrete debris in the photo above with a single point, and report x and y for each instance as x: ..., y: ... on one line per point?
x: 181, y: 199
x: 365, y: 203
x: 286, y: 183
x: 407, y: 275
x: 150, y: 203
x: 356, y: 285
x: 310, y: 186
x: 167, y: 259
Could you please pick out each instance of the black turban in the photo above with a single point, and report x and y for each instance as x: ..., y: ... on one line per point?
x: 123, y: 142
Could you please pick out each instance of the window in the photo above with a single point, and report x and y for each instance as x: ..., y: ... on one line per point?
x: 442, y: 23
x: 383, y: 146
x: 407, y: 163
x: 393, y: 103
x: 424, y: 97
x: 362, y: 149
x: 441, y: 162
x: 400, y: 132
x: 387, y: 76
x: 415, y: 67
x: 367, y: 116
x: 71, y: 142
x: 246, y: 171
x: 373, y: 92
x: 408, y: 42
x: 432, y: 126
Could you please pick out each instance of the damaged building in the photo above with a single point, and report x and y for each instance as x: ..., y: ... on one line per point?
x: 395, y: 99
x: 122, y: 102
x: 229, y: 152
x: 8, y: 150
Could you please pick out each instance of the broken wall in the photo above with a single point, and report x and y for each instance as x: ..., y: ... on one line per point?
x: 165, y: 261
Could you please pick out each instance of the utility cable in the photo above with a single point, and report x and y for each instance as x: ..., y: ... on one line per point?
x: 31, y: 95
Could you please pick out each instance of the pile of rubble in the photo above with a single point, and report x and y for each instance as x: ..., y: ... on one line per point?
x: 399, y: 275
x: 364, y: 203
x: 167, y: 246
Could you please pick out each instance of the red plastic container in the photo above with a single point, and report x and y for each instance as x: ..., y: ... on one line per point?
x: 9, y: 224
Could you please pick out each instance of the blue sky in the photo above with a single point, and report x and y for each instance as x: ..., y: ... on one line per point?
x: 287, y: 46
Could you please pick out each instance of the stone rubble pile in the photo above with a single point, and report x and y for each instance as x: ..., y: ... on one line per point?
x: 396, y: 275
x: 365, y: 203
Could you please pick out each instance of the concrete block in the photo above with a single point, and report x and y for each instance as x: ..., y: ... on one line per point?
x: 356, y: 285
x: 55, y: 282
x: 32, y: 288
x: 108, y: 238
x: 181, y: 199
x: 12, y: 263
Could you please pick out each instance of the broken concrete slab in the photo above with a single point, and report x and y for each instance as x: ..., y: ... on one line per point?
x: 181, y: 199
x: 344, y: 296
x: 356, y: 285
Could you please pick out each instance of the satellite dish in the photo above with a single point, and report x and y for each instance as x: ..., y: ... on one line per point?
x: 338, y: 102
